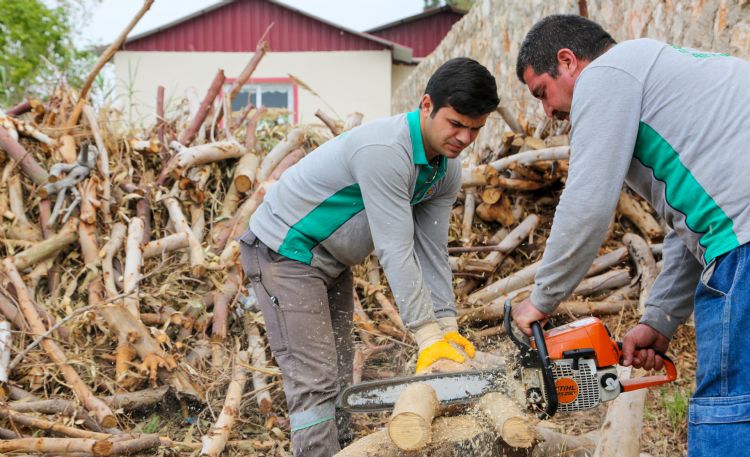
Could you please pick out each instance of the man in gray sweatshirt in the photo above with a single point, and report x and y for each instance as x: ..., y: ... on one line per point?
x: 388, y: 185
x: 674, y: 124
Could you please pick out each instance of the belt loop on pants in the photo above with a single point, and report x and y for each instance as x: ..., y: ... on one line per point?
x: 313, y: 416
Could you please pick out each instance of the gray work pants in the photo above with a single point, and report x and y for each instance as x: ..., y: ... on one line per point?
x: 308, y: 319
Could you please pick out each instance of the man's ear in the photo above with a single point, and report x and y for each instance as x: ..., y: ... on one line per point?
x: 425, y: 105
x: 567, y: 60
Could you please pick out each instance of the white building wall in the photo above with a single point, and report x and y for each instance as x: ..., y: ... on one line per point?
x: 348, y: 81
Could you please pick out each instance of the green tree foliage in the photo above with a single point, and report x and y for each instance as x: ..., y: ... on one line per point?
x: 35, y: 44
x: 460, y: 4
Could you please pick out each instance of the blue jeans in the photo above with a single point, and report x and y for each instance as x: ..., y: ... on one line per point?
x: 719, y: 412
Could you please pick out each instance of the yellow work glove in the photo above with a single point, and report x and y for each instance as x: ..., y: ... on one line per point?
x: 436, y: 351
x: 449, y: 325
x: 433, y: 347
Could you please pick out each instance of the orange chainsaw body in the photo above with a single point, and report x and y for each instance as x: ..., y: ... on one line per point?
x: 584, y: 333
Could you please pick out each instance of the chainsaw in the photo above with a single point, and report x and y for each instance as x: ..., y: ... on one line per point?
x: 568, y: 368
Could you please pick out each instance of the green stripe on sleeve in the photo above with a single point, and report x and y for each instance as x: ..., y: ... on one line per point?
x: 685, y: 194
x: 321, y: 222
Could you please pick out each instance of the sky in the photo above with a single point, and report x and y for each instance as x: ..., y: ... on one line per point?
x: 110, y: 17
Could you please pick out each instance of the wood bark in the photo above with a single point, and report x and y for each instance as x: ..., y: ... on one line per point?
x: 133, y: 261
x: 293, y: 140
x: 43, y: 424
x: 410, y: 426
x: 5, y: 347
x: 645, y: 264
x: 180, y: 223
x: 188, y: 135
x: 480, y: 175
x: 102, y: 161
x: 508, y: 420
x: 109, y: 251
x: 98, y: 408
x: 510, y: 120
x: 244, y: 174
x: 29, y: 165
x: 217, y: 437
x: 620, y: 434
x: 329, y: 122
x: 169, y: 243
x: 48, y: 248
x: 258, y: 359
x: 529, y: 157
x: 631, y: 208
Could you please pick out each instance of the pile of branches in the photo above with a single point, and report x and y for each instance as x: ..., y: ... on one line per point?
x: 122, y: 291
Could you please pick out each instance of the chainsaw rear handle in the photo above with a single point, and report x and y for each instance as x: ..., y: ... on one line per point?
x: 642, y: 382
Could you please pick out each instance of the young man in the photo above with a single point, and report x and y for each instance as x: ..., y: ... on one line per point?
x: 389, y: 185
x: 673, y: 123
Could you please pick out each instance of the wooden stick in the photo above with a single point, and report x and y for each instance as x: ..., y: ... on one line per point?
x: 47, y: 248
x: 133, y: 261
x: 102, y: 160
x: 645, y: 264
x: 631, y: 208
x: 181, y: 225
x: 223, y: 297
x: 56, y: 446
x: 468, y: 219
x: 329, y: 122
x: 480, y: 175
x: 353, y: 120
x: 29, y: 165
x: 260, y: 50
x: 103, y: 59
x: 43, y: 424
x: 215, y: 440
x: 510, y: 119
x: 258, y: 359
x: 410, y: 426
x: 188, y: 135
x: 164, y: 245
x: 22, y: 228
x: 529, y: 157
x: 5, y: 347
x: 293, y: 140
x: 116, y: 238
x: 244, y: 173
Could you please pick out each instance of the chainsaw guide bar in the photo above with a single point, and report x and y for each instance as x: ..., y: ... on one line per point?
x: 451, y: 388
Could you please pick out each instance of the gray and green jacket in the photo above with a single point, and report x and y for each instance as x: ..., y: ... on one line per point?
x: 371, y: 187
x: 674, y: 124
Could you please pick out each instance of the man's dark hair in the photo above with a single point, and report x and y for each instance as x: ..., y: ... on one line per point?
x: 465, y: 85
x: 587, y: 39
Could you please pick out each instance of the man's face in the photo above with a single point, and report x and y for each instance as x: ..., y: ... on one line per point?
x: 555, y: 93
x: 448, y: 132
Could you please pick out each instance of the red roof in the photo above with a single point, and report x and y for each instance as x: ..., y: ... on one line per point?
x: 421, y: 32
x: 237, y: 25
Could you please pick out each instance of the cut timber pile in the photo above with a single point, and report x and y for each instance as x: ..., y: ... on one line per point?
x: 122, y: 300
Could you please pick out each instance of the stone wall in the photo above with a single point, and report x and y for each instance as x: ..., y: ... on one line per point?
x: 494, y: 29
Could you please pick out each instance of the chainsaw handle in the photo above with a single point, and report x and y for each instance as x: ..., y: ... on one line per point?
x: 642, y: 382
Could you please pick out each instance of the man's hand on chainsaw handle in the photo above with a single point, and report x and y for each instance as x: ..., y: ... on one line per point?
x: 640, y: 345
x: 525, y: 313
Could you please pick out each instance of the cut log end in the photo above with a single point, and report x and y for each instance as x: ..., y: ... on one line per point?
x: 410, y: 431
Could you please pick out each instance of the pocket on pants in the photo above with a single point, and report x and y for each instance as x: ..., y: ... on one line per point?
x: 719, y: 410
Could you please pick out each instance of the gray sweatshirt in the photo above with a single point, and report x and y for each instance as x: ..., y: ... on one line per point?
x: 674, y: 124
x: 371, y: 187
